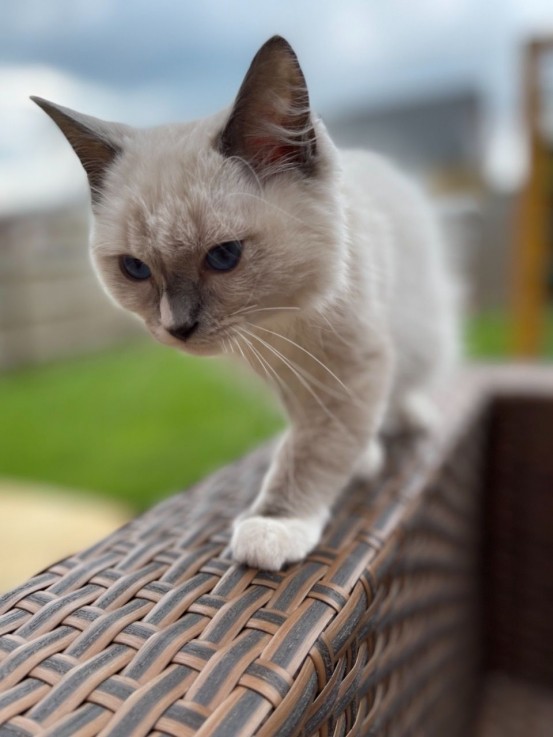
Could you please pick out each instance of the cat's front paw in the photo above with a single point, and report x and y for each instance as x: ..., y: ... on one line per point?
x: 270, y: 542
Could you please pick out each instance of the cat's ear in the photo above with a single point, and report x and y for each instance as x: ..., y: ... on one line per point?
x: 270, y: 125
x: 96, y: 143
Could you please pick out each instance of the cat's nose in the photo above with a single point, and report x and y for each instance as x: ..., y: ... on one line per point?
x: 184, y: 331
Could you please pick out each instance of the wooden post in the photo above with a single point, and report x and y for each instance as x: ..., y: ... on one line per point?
x: 531, y: 245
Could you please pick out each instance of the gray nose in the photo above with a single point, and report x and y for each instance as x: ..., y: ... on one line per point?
x: 184, y: 331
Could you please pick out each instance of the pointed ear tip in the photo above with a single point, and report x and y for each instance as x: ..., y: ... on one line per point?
x: 40, y: 101
x: 277, y: 39
x: 279, y: 42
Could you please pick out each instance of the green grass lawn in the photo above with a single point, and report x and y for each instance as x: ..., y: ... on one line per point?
x: 142, y: 421
x: 134, y: 423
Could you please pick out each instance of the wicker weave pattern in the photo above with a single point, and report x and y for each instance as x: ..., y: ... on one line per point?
x: 154, y: 631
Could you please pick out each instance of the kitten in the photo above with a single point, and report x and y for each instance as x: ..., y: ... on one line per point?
x: 249, y: 233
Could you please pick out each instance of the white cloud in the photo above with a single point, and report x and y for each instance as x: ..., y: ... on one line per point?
x: 37, y: 166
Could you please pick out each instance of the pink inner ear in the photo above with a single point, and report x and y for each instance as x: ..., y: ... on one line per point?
x: 267, y: 150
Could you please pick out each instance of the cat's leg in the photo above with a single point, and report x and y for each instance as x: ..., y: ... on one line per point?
x: 316, y: 459
x: 419, y: 413
x: 413, y: 412
x: 371, y: 461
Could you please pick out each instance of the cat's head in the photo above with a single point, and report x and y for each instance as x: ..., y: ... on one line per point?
x: 200, y: 228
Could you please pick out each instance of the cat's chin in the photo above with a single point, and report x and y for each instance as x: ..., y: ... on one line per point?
x: 197, y: 350
x: 192, y: 347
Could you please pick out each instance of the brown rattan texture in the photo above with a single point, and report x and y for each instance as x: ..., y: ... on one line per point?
x: 155, y: 631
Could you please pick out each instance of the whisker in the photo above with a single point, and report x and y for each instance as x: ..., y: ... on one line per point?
x: 297, y: 345
x: 237, y: 344
x: 266, y: 366
x: 313, y: 379
x: 229, y: 322
x: 258, y: 356
x: 302, y: 381
x: 242, y: 309
x: 267, y: 309
x: 331, y: 327
x: 253, y: 310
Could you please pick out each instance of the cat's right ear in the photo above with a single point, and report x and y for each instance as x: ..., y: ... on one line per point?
x: 96, y: 143
x: 270, y: 126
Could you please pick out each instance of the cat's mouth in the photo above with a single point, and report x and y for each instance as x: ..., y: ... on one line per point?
x: 184, y: 332
x: 188, y: 338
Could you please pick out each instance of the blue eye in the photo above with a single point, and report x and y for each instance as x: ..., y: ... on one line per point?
x: 134, y: 268
x: 224, y: 257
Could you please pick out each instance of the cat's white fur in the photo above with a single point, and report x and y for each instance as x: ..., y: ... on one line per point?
x: 341, y: 300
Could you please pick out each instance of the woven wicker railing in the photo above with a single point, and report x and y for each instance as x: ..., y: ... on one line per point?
x: 425, y: 585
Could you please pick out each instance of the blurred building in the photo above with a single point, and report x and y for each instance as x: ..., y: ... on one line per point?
x: 51, y: 304
x: 438, y: 137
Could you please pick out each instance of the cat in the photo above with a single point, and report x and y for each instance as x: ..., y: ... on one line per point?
x: 249, y: 233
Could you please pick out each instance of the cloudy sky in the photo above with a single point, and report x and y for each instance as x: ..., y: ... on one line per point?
x: 148, y: 62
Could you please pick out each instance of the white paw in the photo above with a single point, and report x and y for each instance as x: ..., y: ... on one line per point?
x: 371, y: 461
x: 270, y: 542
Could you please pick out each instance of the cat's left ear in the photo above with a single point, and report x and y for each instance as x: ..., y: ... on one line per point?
x: 96, y: 142
x: 270, y: 125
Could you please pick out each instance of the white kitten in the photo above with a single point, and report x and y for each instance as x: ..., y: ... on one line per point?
x: 250, y: 233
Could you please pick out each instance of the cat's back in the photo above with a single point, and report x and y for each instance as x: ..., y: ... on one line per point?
x: 390, y: 210
x: 395, y: 233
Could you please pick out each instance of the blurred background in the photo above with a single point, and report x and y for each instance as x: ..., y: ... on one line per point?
x: 97, y: 421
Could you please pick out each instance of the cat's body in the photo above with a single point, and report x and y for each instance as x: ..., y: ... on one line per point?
x: 330, y: 281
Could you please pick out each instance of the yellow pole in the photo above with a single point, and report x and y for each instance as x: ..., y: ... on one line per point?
x: 530, y: 258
